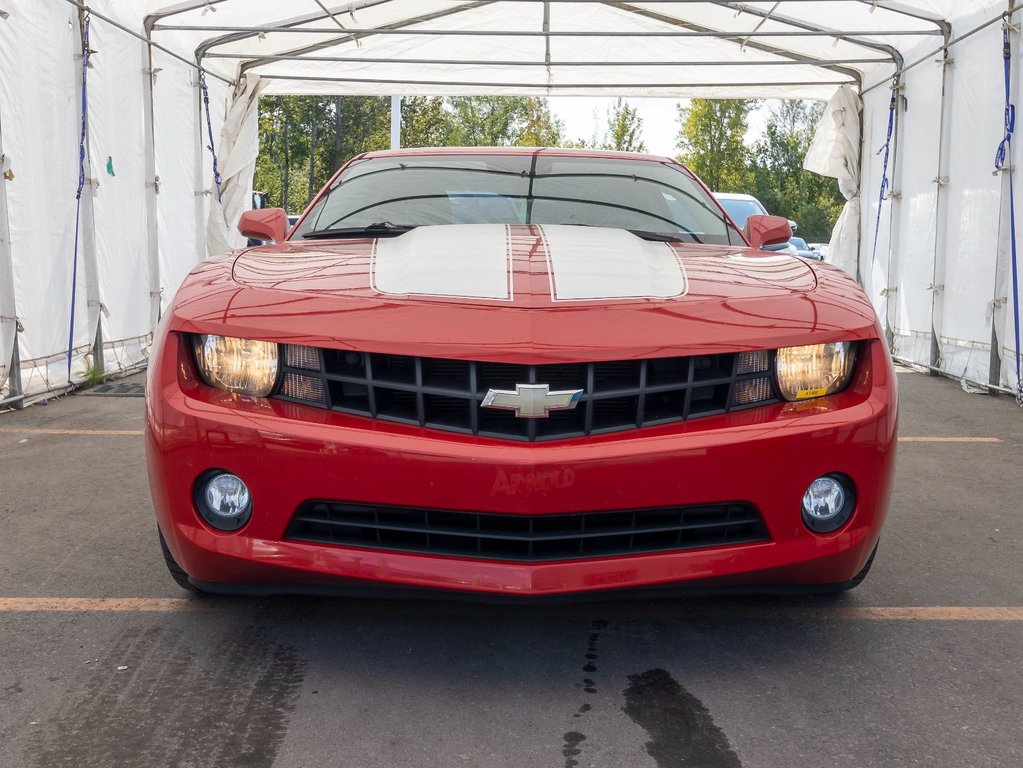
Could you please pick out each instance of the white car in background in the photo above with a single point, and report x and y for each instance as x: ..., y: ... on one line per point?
x: 740, y: 207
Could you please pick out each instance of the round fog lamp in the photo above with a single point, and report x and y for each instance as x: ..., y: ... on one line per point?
x: 827, y: 504
x: 223, y: 500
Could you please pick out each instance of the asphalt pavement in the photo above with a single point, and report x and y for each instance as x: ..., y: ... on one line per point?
x: 105, y: 662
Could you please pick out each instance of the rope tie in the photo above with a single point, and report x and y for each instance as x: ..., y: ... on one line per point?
x: 1003, y: 159
x: 209, y: 128
x: 86, y: 20
x: 885, y: 182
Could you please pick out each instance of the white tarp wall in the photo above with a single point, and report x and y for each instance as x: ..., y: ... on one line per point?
x: 938, y: 276
x: 943, y: 233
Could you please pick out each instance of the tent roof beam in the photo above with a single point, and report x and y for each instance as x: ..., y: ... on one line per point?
x: 402, y: 30
x: 552, y: 90
x: 855, y: 76
x: 287, y: 25
x: 525, y: 63
x: 354, y: 36
x: 802, y: 27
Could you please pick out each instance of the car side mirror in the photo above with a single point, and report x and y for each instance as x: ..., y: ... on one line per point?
x: 264, y: 224
x: 767, y: 230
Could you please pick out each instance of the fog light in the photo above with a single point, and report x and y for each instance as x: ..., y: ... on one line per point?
x: 223, y: 500
x: 827, y: 503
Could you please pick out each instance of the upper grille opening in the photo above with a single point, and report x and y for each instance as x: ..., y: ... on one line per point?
x: 447, y: 394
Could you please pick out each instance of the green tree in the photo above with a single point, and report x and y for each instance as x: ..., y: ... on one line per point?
x: 486, y: 121
x: 425, y: 122
x: 537, y: 126
x: 779, y: 180
x: 305, y: 139
x: 712, y: 137
x: 624, y: 129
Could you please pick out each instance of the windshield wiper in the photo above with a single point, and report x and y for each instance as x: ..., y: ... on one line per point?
x: 380, y: 229
x: 665, y: 237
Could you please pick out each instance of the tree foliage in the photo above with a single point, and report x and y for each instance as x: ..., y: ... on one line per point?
x: 779, y: 180
x: 712, y: 137
x: 305, y: 139
x: 624, y: 129
x: 538, y: 127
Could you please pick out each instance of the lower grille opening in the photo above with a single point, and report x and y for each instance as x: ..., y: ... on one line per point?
x: 527, y: 538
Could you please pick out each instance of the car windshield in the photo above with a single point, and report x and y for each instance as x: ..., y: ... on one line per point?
x: 800, y: 243
x: 391, y: 194
x: 740, y: 210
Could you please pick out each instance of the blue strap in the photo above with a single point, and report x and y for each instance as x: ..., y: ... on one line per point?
x: 1003, y: 159
x: 81, y: 185
x: 209, y: 128
x: 886, y: 148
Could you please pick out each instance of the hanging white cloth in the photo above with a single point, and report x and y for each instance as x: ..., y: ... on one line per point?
x: 236, y: 154
x: 835, y: 152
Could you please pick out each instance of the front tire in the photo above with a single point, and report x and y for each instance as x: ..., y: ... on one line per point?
x: 176, y: 572
x: 855, y: 581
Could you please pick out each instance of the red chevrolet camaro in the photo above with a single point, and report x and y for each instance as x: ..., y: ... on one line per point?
x: 518, y: 372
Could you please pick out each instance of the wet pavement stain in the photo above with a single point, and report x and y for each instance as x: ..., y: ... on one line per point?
x: 682, y: 732
x: 154, y: 701
x: 573, y: 739
x: 571, y: 749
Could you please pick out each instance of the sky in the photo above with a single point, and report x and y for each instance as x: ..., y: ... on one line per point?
x: 585, y: 115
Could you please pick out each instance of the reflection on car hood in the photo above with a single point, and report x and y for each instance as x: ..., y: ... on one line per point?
x: 522, y: 266
x: 523, y: 294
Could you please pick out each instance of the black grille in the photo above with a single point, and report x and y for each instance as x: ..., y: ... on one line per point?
x: 447, y: 394
x: 526, y: 538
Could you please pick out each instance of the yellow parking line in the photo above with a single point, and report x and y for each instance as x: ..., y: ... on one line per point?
x: 950, y: 440
x: 928, y: 613
x: 97, y: 604
x: 100, y: 432
x: 800, y: 613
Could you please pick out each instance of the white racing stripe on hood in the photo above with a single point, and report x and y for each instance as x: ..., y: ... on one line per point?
x: 465, y: 261
x: 596, y: 263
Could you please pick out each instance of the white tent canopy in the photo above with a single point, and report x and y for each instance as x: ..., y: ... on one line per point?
x: 933, y: 254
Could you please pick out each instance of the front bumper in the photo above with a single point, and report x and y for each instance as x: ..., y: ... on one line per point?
x: 288, y: 454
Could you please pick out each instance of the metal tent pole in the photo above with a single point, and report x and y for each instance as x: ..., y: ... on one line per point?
x: 90, y: 266
x: 396, y: 122
x: 16, y: 398
x: 152, y: 187
x: 941, y: 209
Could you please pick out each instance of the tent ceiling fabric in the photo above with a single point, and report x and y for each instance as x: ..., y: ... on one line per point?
x: 933, y: 253
x: 791, y: 48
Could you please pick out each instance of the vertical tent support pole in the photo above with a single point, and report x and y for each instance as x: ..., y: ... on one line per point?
x: 1004, y: 266
x: 16, y: 398
x: 200, y: 177
x: 941, y: 212
x: 152, y: 188
x: 396, y: 122
x: 894, y: 225
x: 90, y: 266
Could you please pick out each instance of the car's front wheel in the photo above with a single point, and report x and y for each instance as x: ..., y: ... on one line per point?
x: 176, y: 572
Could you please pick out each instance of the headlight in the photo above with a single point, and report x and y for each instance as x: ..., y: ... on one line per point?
x: 243, y: 366
x: 815, y: 370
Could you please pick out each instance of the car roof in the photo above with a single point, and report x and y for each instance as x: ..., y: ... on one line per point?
x: 734, y: 196
x: 555, y: 151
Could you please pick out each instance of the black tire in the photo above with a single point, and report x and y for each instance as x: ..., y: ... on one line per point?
x: 859, y: 577
x: 179, y: 576
x: 855, y: 581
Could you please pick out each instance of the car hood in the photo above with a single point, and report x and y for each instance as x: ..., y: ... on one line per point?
x: 523, y: 292
x: 522, y: 266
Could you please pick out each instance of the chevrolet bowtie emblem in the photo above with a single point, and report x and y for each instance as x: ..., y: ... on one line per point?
x: 532, y: 401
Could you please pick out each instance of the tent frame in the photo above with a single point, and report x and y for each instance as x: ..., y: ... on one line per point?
x: 757, y: 38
